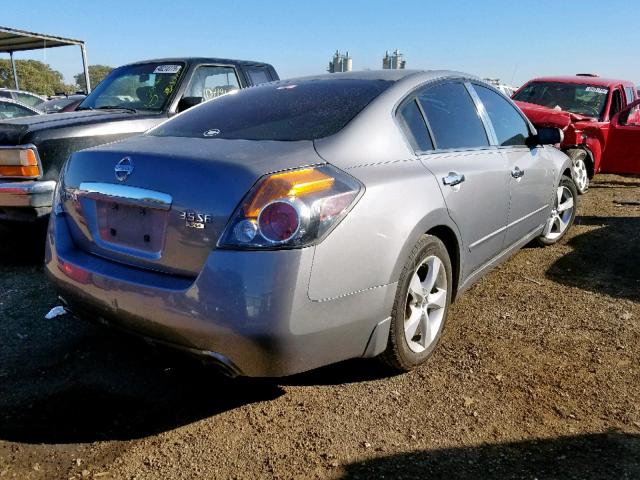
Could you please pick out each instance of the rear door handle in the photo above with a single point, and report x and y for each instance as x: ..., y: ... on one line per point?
x: 517, y: 173
x: 453, y: 179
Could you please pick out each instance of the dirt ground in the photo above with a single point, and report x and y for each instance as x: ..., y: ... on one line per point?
x: 537, y: 376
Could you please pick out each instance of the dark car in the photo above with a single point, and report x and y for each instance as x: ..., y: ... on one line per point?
x: 62, y: 104
x: 129, y: 101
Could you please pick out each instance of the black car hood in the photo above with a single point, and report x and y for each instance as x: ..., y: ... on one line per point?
x: 12, y: 131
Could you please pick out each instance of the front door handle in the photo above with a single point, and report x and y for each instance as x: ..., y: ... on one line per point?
x: 453, y: 179
x: 517, y: 173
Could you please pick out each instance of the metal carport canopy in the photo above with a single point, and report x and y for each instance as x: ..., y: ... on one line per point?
x: 12, y: 40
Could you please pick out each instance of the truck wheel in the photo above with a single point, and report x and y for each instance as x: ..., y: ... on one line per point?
x: 579, y: 159
x: 421, y: 305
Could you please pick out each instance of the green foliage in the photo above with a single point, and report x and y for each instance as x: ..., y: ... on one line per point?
x: 96, y: 75
x: 33, y: 76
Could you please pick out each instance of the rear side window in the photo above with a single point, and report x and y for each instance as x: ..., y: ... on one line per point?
x: 414, y: 127
x: 510, y: 127
x: 453, y: 117
x: 628, y: 92
x: 287, y: 111
x: 258, y: 75
x: 212, y: 81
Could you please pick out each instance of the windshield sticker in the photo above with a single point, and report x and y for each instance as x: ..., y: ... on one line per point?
x: 602, y: 91
x: 167, y: 69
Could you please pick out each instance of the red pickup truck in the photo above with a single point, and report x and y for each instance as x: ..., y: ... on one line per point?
x: 600, y: 118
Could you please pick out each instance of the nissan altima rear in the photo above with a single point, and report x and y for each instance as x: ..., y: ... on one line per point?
x: 297, y: 224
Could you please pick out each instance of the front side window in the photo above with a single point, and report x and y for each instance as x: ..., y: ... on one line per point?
x: 510, y: 127
x: 147, y: 86
x: 616, y: 103
x: 5, y: 94
x: 414, y: 127
x: 587, y: 100
x: 286, y: 111
x: 453, y: 117
x: 212, y: 81
x: 630, y: 117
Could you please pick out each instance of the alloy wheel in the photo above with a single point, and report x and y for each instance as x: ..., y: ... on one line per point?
x: 561, y: 214
x: 580, y: 174
x: 426, y: 303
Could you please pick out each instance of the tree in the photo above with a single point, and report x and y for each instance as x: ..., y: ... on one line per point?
x: 96, y: 75
x: 33, y: 76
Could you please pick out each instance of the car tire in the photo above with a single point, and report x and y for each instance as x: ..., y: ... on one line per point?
x: 580, y: 174
x: 562, y: 214
x: 422, y: 300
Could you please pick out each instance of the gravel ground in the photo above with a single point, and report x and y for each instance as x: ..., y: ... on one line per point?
x: 537, y: 376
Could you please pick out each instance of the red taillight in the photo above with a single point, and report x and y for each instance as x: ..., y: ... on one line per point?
x: 294, y: 208
x: 78, y: 274
x: 279, y: 221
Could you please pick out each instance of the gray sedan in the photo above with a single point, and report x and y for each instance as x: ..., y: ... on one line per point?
x: 304, y: 222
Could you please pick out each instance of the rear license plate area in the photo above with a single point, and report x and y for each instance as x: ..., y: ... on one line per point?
x: 140, y: 228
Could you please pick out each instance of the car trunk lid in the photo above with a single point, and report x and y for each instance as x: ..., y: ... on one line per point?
x: 162, y: 202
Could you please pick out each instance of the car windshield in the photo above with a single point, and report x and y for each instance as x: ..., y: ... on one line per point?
x: 287, y: 111
x: 145, y: 86
x: 588, y: 100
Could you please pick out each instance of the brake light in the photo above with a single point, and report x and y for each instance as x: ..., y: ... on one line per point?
x: 19, y: 163
x: 291, y: 209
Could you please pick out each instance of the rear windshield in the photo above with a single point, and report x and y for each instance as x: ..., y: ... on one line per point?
x: 287, y: 111
x: 588, y: 100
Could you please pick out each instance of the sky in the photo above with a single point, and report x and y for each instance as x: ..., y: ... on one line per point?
x: 511, y: 40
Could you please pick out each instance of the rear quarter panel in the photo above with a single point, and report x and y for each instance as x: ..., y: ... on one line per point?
x: 370, y: 246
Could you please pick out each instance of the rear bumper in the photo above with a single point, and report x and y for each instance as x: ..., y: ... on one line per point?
x: 18, y: 197
x: 249, y: 310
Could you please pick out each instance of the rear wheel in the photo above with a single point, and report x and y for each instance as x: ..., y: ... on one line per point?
x: 562, y: 214
x: 579, y: 158
x: 421, y: 305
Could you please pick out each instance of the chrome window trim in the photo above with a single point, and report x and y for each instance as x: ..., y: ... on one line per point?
x: 482, y: 112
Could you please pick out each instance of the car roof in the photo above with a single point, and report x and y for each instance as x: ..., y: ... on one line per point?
x: 584, y: 79
x: 388, y: 75
x: 4, y: 89
x: 196, y: 60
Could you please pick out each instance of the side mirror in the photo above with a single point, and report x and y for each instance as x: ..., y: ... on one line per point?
x: 188, y: 102
x: 546, y: 136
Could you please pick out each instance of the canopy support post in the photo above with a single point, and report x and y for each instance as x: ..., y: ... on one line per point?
x: 15, y: 72
x: 86, y: 68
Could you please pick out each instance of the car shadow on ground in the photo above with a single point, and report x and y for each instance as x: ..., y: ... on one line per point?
x: 22, y: 243
x: 616, y: 272
x: 633, y: 181
x: 349, y: 371
x: 78, y: 382
x: 593, y: 456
